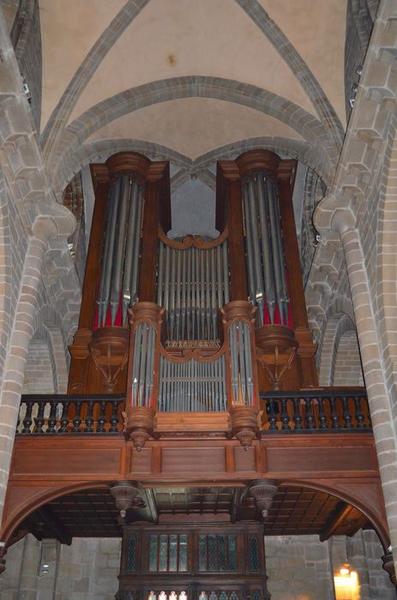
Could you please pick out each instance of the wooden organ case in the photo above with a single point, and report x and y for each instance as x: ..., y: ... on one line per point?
x: 194, y: 327
x: 193, y: 561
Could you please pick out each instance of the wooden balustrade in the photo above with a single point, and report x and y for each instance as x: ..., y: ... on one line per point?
x: 62, y: 414
x: 338, y: 410
x: 327, y: 410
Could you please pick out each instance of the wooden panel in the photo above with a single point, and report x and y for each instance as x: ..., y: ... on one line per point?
x: 244, y: 459
x: 66, y: 461
x: 320, y: 460
x: 183, y: 421
x: 193, y: 460
x: 141, y: 461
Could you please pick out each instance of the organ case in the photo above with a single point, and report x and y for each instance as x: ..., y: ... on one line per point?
x: 211, y: 321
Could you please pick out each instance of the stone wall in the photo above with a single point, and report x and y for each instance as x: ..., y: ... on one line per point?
x: 348, y: 369
x: 298, y: 567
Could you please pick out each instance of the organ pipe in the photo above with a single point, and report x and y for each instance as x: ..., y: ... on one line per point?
x: 192, y: 285
x: 264, y: 245
x: 119, y: 277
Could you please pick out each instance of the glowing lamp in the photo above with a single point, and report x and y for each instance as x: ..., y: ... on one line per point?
x: 346, y: 584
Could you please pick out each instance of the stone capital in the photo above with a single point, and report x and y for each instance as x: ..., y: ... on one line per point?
x: 58, y: 221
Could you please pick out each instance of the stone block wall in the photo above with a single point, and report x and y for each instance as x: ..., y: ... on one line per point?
x: 298, y: 567
x: 39, y: 377
x: 348, y: 370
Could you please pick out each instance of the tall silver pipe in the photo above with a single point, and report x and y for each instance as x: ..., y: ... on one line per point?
x: 250, y: 251
x: 189, y: 295
x: 102, y: 296
x: 225, y: 271
x: 177, y: 293
x: 117, y: 265
x: 219, y: 276
x: 214, y: 294
x: 284, y: 291
x: 129, y: 250
x: 234, y: 362
x: 160, y: 278
x: 277, y: 259
x: 266, y: 250
x: 107, y: 266
x: 172, y: 293
x: 184, y: 286
x: 259, y: 291
x: 136, y: 247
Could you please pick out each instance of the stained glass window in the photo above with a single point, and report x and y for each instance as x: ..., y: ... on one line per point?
x: 217, y: 553
x: 168, y: 553
x: 132, y: 545
x: 253, y: 554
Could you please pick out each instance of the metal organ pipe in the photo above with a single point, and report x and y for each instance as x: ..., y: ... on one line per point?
x: 143, y: 364
x: 265, y: 255
x: 192, y: 284
x: 192, y: 386
x: 241, y: 363
x: 120, y: 259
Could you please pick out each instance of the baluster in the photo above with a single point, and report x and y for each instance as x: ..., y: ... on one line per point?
x: 359, y: 414
x: 27, y: 421
x: 64, y: 420
x: 334, y: 413
x: 77, y: 417
x: 309, y: 418
x: 102, y: 417
x: 89, y: 420
x: 114, y: 420
x: 321, y: 414
x: 284, y: 415
x: 270, y: 409
x: 39, y: 420
x: 52, y: 419
x: 346, y: 413
x: 297, y: 415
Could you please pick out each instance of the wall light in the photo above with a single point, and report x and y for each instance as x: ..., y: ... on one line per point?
x: 346, y: 583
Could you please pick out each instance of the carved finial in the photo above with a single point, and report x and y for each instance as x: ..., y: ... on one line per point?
x: 126, y: 495
x: 263, y: 491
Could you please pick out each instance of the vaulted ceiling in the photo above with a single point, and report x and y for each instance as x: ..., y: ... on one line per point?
x: 194, y: 76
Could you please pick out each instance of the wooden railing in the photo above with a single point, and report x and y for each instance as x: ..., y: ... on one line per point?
x: 60, y: 414
x: 324, y: 410
x: 307, y: 411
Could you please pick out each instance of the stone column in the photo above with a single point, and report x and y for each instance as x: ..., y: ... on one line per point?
x: 48, y: 569
x: 27, y: 589
x: 21, y: 334
x: 370, y: 347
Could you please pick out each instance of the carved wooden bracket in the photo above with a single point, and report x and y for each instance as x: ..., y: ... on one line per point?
x: 109, y: 351
x: 263, y: 491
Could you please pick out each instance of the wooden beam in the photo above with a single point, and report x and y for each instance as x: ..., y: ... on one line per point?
x: 151, y: 505
x: 335, y: 521
x: 54, y: 525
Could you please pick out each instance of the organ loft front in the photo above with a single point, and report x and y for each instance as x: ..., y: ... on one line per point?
x: 194, y: 423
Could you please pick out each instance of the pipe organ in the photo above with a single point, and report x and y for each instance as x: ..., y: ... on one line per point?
x: 192, y: 325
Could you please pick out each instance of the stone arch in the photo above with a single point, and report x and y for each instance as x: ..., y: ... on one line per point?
x: 46, y: 370
x: 348, y: 369
x: 97, y: 53
x: 39, y: 377
x: 219, y: 88
x: 99, y: 151
x: 256, y: 11
x: 387, y: 266
x: 339, y: 329
x: 5, y: 271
